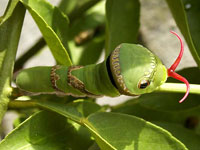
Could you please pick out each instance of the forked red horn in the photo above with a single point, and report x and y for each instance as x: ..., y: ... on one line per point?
x: 173, y: 74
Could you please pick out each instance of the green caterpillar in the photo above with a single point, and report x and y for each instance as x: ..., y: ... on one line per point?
x: 129, y: 70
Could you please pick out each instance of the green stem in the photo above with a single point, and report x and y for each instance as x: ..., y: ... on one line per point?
x: 10, y: 30
x: 17, y: 104
x: 178, y: 88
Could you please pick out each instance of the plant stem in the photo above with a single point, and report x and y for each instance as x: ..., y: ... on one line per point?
x: 18, y: 104
x: 10, y: 30
x: 178, y: 88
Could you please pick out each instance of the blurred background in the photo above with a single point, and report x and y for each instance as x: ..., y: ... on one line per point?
x: 155, y: 24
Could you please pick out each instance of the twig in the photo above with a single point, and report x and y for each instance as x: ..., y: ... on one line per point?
x: 178, y: 88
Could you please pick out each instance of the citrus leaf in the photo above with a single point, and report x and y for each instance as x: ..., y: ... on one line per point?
x: 160, y: 107
x: 87, y: 36
x: 92, y: 49
x: 189, y: 138
x: 76, y: 111
x: 10, y: 30
x: 113, y: 131
x: 109, y: 129
x: 53, y: 25
x: 186, y: 15
x: 122, y: 22
x: 47, y: 130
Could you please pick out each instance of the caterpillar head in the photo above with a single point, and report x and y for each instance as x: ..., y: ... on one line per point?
x: 136, y: 70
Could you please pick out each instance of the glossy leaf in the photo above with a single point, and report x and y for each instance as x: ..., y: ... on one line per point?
x: 189, y: 138
x: 109, y: 128
x: 114, y: 131
x: 75, y: 111
x: 72, y: 8
x: 10, y: 30
x: 186, y: 15
x: 159, y: 107
x: 76, y: 8
x: 67, y: 6
x: 87, y: 36
x: 47, y: 130
x: 122, y: 22
x: 87, y: 22
x: 92, y: 50
x: 53, y: 25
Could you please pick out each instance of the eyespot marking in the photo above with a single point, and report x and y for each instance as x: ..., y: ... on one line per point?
x: 143, y: 84
x: 149, y: 75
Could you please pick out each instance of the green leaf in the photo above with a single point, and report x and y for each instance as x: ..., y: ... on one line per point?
x: 47, y: 131
x: 92, y: 25
x: 110, y: 137
x: 186, y: 15
x: 9, y: 10
x: 67, y: 6
x: 87, y: 22
x: 10, y: 30
x: 76, y: 111
x: 91, y: 19
x: 114, y: 131
x: 92, y: 49
x: 161, y: 107
x: 54, y: 26
x: 76, y: 8
x: 122, y: 22
x: 189, y: 138
x: 169, y: 102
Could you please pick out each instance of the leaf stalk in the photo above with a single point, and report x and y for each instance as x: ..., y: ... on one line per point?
x: 178, y: 88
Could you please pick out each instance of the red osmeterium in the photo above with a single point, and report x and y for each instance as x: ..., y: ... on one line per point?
x: 173, y: 74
